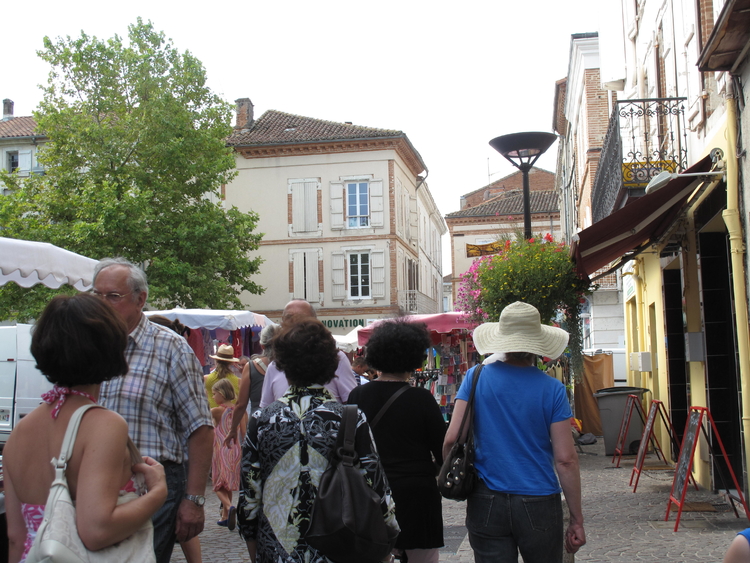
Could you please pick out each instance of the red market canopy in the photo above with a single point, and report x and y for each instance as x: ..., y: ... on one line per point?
x: 443, y: 323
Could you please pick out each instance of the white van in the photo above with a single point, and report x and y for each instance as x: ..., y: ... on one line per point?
x: 21, y: 384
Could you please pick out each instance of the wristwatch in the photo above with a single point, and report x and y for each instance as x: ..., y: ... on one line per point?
x: 200, y: 500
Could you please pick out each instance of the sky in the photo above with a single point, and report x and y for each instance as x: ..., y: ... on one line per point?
x: 451, y: 76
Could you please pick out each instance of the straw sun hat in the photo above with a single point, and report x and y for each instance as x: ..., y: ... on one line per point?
x: 520, y: 330
x: 225, y: 354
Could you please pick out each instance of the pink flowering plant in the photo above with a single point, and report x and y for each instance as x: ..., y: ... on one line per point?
x: 537, y: 271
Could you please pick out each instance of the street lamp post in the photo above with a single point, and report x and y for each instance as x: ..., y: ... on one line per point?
x: 522, y: 150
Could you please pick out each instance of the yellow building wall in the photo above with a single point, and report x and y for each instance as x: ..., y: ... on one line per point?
x: 645, y: 326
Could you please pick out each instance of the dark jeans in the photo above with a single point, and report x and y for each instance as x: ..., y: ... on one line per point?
x: 502, y: 524
x: 165, y: 519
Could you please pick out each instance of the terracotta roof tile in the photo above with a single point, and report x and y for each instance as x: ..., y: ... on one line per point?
x: 511, y: 203
x: 275, y: 127
x: 17, y: 127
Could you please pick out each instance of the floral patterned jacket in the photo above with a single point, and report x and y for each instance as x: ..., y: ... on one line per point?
x: 285, y: 453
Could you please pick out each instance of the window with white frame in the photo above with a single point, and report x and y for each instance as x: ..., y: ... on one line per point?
x: 304, y: 202
x: 357, y: 202
x: 18, y: 161
x: 12, y: 160
x: 358, y: 274
x: 305, y: 276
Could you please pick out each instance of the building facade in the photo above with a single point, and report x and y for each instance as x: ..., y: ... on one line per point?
x: 495, y: 212
x: 348, y: 220
x: 19, y: 143
x: 680, y: 237
x: 581, y: 111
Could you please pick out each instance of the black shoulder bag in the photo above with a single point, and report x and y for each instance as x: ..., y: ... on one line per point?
x: 457, y: 475
x: 346, y: 524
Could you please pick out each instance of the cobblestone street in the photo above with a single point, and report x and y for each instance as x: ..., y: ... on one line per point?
x: 620, y: 525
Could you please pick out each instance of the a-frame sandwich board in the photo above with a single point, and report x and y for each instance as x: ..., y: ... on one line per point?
x: 693, y: 426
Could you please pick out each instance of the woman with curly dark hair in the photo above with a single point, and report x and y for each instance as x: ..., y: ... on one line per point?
x: 287, y: 447
x: 409, y: 434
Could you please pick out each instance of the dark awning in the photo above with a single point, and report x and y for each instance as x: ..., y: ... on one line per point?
x: 643, y: 220
x: 729, y: 42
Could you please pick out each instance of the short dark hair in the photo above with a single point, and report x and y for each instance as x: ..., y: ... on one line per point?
x: 306, y: 353
x: 80, y: 340
x: 359, y: 361
x: 397, y: 346
x: 526, y: 357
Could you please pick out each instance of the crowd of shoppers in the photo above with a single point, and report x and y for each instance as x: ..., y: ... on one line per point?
x: 152, y: 385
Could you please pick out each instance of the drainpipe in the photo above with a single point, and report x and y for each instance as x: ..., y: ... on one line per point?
x: 732, y: 220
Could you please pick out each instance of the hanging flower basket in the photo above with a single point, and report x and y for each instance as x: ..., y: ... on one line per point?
x: 537, y: 271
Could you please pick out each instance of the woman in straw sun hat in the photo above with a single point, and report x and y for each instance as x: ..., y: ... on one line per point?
x: 522, y: 437
x: 224, y: 361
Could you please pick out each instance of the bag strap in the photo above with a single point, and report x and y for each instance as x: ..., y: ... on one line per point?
x: 258, y: 363
x: 61, y: 463
x: 469, y: 405
x: 347, y: 429
x: 388, y: 403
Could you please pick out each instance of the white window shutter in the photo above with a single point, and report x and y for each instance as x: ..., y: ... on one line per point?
x: 377, y: 215
x: 413, y: 219
x: 24, y: 160
x: 337, y: 206
x: 298, y: 207
x: 338, y: 287
x: 298, y: 274
x: 312, y: 293
x: 311, y: 207
x: 377, y: 265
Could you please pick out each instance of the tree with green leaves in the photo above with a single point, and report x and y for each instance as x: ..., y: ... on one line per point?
x: 134, y: 163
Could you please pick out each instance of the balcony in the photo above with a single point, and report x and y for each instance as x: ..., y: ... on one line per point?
x: 417, y: 303
x: 644, y: 137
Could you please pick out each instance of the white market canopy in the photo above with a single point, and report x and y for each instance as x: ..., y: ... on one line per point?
x: 213, y: 318
x: 348, y: 343
x: 28, y: 263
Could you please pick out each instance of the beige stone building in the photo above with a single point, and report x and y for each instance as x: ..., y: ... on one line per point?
x: 348, y: 220
x: 19, y: 142
x: 495, y: 211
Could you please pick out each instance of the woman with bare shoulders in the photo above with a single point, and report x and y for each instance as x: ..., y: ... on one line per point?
x: 78, y: 343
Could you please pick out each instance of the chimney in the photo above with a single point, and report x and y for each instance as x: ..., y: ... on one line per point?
x: 7, y: 109
x: 244, y: 114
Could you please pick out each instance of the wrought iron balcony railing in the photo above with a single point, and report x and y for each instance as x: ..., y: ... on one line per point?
x: 417, y: 303
x: 644, y: 137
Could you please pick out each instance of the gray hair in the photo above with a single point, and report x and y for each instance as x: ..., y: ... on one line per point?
x: 136, y: 278
x: 266, y: 336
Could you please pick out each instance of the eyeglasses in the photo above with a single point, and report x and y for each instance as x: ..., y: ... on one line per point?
x: 111, y: 297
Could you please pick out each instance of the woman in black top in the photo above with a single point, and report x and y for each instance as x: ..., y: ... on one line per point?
x: 409, y: 435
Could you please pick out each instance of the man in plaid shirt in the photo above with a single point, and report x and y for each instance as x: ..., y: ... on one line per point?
x: 164, y: 402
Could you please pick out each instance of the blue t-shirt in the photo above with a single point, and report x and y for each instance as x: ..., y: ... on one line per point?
x: 514, y: 410
x: 744, y: 533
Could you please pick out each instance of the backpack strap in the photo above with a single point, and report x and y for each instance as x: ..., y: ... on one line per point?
x: 347, y: 430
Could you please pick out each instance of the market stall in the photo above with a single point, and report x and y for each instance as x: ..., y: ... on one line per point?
x: 212, y: 327
x: 451, y: 355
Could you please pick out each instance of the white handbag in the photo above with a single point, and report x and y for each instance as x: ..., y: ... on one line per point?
x: 57, y: 539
